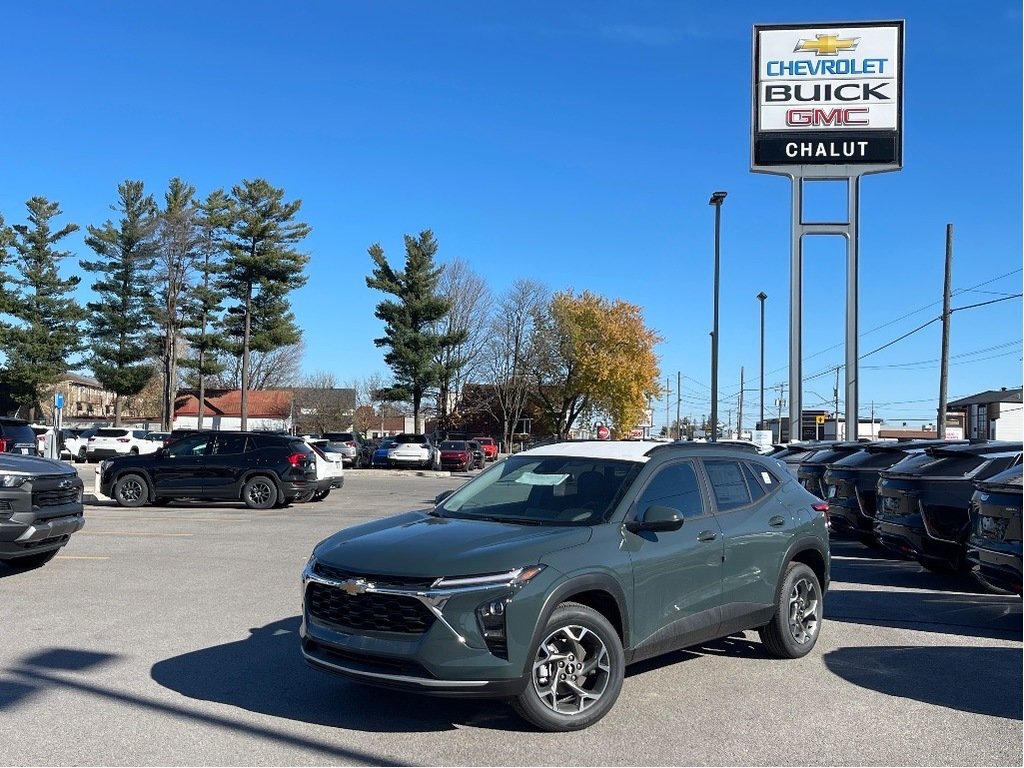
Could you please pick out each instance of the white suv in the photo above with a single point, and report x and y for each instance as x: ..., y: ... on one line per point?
x: 411, y: 450
x: 118, y: 441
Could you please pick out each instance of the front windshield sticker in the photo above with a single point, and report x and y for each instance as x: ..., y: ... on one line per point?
x: 533, y: 478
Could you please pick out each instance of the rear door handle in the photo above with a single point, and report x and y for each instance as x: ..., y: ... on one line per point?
x: 776, y: 521
x: 707, y: 536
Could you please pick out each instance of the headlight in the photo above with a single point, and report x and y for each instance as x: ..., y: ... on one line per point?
x: 12, y: 480
x: 104, y: 466
x: 514, y: 578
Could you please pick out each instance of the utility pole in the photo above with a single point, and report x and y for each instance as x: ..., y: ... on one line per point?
x: 781, y: 402
x: 679, y: 392
x: 668, y: 422
x: 739, y: 412
x: 729, y: 427
x: 835, y: 393
x: 940, y: 423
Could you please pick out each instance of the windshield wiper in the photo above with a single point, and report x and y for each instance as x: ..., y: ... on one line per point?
x: 512, y: 520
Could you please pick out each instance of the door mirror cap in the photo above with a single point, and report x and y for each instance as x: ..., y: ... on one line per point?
x: 657, y: 518
x: 442, y: 496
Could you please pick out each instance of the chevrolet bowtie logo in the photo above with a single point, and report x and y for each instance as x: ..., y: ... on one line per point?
x: 354, y: 586
x: 828, y: 45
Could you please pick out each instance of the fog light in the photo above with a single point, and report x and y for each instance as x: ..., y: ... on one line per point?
x: 491, y: 618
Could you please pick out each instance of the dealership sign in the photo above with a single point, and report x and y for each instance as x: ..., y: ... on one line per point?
x: 830, y: 94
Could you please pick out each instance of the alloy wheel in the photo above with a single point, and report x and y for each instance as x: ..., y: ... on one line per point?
x: 571, y: 670
x: 804, y: 610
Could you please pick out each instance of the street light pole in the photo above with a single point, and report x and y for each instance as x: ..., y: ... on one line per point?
x: 717, y: 198
x: 761, y: 297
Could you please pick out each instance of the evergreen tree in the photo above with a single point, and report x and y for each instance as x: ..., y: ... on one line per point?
x: 46, y: 332
x: 260, y: 269
x: 6, y: 241
x: 121, y: 320
x: 178, y: 242
x: 202, y: 320
x: 414, y: 345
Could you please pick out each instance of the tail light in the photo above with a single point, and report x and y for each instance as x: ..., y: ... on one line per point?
x: 124, y: 440
x: 351, y: 444
x: 298, y: 459
x: 820, y: 507
x: 3, y: 445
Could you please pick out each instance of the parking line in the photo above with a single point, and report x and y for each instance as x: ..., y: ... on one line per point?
x: 129, y: 533
x: 81, y: 557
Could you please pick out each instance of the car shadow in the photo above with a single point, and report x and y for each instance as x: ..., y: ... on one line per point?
x: 266, y: 673
x: 985, y: 681
x: 855, y: 563
x: 992, y: 616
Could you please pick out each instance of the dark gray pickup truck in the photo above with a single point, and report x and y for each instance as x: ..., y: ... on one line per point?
x: 40, y: 507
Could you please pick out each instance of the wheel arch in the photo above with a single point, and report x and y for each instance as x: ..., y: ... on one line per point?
x: 812, y: 553
x: 600, y: 592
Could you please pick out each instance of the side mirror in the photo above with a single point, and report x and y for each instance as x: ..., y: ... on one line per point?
x: 442, y: 496
x: 657, y: 518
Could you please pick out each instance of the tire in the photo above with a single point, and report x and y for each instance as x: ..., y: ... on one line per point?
x: 29, y: 562
x: 259, y: 492
x: 303, y: 497
x: 583, y: 693
x: 133, y: 451
x: 321, y: 495
x: 131, y: 491
x: 81, y: 456
x: 793, y: 630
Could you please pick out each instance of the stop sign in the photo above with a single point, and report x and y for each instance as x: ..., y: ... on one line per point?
x: 603, y: 433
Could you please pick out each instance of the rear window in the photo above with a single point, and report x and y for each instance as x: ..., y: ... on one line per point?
x: 411, y: 439
x: 17, y: 433
x: 111, y: 433
x: 940, y: 466
x: 338, y: 437
x: 453, y: 445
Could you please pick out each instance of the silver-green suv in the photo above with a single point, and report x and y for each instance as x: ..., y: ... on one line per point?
x: 542, y: 578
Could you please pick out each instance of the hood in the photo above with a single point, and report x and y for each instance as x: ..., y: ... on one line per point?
x: 36, y: 465
x: 418, y: 544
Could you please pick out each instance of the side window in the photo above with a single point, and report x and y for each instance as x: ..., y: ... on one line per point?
x: 229, y: 444
x: 756, y: 487
x: 673, y: 486
x: 194, y: 445
x: 727, y: 483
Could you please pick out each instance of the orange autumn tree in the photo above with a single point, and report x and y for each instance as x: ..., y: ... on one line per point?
x: 595, y: 355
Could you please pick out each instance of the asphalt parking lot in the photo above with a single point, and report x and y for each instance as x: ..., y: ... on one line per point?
x: 169, y: 637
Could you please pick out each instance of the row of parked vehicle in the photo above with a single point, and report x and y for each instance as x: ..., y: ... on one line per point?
x: 949, y: 505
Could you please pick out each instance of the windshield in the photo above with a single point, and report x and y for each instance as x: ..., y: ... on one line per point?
x: 543, y: 490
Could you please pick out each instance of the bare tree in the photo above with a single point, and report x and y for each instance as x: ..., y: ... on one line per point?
x: 267, y: 370
x: 320, y: 406
x: 510, y: 338
x: 470, y: 300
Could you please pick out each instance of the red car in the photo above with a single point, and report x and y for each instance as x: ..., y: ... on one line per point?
x: 490, y: 447
x: 456, y: 454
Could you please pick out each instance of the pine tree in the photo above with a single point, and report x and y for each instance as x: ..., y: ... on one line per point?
x: 202, y: 329
x: 46, y: 332
x: 178, y: 242
x: 121, y: 321
x: 260, y: 269
x: 414, y: 345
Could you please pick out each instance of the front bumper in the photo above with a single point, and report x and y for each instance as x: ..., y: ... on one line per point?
x: 444, y: 654
x: 28, y: 526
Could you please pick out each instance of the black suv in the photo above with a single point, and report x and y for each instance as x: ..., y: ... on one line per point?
x: 17, y: 436
x: 40, y: 507
x: 258, y: 468
x: 994, y: 546
x: 544, y: 576
x: 812, y: 468
x: 850, y: 485
x: 923, y: 503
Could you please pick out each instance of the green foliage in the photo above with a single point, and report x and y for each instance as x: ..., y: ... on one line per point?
x: 413, y: 345
x: 201, y: 320
x: 46, y: 331
x: 120, y: 322
x: 260, y: 269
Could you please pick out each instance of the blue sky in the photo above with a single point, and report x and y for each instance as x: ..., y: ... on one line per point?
x: 573, y: 143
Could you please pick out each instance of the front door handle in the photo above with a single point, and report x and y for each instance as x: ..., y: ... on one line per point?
x: 707, y: 536
x: 776, y: 521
